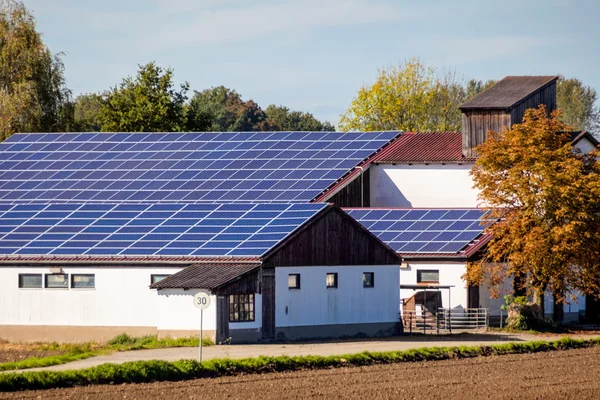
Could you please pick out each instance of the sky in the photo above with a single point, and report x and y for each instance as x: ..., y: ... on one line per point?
x: 314, y: 55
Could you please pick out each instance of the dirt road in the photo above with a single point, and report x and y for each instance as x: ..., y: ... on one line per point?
x: 554, y: 375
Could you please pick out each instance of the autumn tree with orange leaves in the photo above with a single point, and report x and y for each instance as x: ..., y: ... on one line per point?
x: 546, y: 198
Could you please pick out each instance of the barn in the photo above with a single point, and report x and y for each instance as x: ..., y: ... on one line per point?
x: 111, y: 233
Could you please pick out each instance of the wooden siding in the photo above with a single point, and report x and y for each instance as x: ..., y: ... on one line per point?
x: 354, y: 194
x: 331, y: 238
x: 222, y: 319
x: 245, y: 284
x: 268, y: 302
x: 546, y: 95
x: 476, y: 125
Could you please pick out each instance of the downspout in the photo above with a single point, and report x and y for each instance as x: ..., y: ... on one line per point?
x: 362, y: 193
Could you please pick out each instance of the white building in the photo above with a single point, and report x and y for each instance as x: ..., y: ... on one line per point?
x: 311, y: 283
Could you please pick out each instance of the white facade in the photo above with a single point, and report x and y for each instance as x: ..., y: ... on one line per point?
x: 422, y: 185
x: 121, y: 298
x: 176, y: 311
x: 450, y: 275
x: 349, y: 303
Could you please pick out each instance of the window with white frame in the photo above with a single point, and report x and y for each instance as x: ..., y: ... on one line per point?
x: 57, y: 281
x: 83, y: 281
x: 428, y: 276
x: 154, y: 278
x: 241, y: 307
x: 30, y: 281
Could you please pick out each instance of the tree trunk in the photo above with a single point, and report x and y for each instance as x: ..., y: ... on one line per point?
x: 538, y: 299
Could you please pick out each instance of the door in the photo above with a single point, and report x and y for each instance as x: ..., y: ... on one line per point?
x: 222, y: 334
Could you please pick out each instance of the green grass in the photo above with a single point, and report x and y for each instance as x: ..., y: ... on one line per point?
x: 123, y: 342
x: 151, y: 371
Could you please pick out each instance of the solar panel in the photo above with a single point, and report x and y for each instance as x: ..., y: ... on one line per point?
x: 180, y: 167
x: 415, y: 231
x: 149, y: 229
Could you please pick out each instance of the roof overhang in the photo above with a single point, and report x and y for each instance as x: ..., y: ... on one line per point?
x: 83, y: 259
x: 427, y: 286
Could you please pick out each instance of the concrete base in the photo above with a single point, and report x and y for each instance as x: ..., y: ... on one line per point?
x: 78, y: 334
x: 338, y: 331
x: 245, y: 335
x: 69, y: 334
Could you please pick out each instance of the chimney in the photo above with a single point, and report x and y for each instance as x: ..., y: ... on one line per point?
x: 503, y: 105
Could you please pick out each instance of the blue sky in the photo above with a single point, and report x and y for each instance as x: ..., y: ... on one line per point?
x: 314, y: 55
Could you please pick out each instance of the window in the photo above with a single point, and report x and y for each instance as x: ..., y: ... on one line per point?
x: 428, y: 276
x: 83, y: 281
x: 331, y: 280
x: 154, y: 278
x: 57, y: 281
x: 30, y: 281
x: 294, y: 281
x: 241, y: 307
x: 368, y: 279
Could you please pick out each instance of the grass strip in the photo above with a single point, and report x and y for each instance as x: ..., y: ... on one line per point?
x: 151, y: 371
x: 75, y: 352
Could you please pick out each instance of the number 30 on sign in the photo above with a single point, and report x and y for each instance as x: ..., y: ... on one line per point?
x: 202, y: 300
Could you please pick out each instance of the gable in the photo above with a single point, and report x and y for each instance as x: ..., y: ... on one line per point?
x: 332, y: 238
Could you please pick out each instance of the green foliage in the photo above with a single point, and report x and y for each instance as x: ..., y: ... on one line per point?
x: 122, y: 342
x: 280, y: 118
x: 86, y: 110
x: 33, y: 95
x: 578, y: 105
x: 408, y: 97
x: 147, y: 103
x: 151, y: 371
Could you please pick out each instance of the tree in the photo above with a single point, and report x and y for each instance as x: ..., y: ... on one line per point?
x: 33, y: 95
x: 220, y: 109
x: 578, y: 105
x: 86, y: 113
x: 148, y: 103
x: 280, y: 118
x: 408, y: 97
x: 546, y: 197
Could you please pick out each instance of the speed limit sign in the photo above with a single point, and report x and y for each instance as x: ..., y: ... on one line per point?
x: 202, y: 300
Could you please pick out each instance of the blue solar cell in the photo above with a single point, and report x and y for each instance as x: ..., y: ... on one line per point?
x: 432, y: 247
x: 459, y: 225
x: 453, y: 247
x: 454, y: 215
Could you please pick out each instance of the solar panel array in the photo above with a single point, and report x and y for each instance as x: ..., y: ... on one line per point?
x: 421, y: 230
x: 148, y: 229
x: 179, y: 167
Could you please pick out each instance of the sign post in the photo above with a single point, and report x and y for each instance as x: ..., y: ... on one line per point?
x: 201, y: 301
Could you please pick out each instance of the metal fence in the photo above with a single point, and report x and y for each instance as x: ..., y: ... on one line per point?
x: 444, y: 320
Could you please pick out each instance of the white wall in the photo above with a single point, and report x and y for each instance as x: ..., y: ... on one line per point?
x: 122, y: 297
x: 349, y: 303
x: 450, y: 274
x: 585, y: 146
x: 420, y: 185
x: 176, y: 311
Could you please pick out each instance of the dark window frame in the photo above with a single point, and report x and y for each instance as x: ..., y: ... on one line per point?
x: 153, y: 275
x: 335, y: 280
x: 298, y: 285
x: 420, y: 275
x: 73, y: 285
x: 237, y: 305
x: 41, y: 286
x: 56, y: 287
x: 372, y: 285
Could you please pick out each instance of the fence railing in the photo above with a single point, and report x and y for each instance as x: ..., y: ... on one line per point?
x: 445, y: 320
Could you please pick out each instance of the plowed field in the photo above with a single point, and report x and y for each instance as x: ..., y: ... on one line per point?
x: 569, y: 374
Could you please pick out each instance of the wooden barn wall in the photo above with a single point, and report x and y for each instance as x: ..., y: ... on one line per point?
x: 350, y: 195
x: 333, y: 239
x: 246, y: 285
x: 268, y: 302
x: 546, y: 95
x: 476, y: 125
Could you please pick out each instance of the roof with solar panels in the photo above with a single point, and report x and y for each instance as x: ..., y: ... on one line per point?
x: 428, y: 233
x: 168, y: 196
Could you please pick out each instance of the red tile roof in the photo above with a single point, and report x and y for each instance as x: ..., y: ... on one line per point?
x: 101, y: 259
x: 425, y: 147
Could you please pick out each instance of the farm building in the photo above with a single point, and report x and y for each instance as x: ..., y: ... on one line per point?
x: 285, y: 271
x: 90, y: 221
